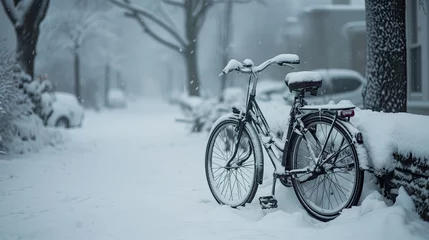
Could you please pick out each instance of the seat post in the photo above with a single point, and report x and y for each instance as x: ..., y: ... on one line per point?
x: 300, y: 94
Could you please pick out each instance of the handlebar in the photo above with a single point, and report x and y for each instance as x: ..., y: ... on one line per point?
x: 282, y: 60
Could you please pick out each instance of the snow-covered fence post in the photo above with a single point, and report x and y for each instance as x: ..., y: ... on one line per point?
x: 386, y: 67
x: 26, y: 16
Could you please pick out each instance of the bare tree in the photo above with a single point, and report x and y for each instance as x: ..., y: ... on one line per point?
x: 386, y: 67
x: 26, y: 16
x: 186, y: 44
x: 69, y: 29
x: 225, y: 40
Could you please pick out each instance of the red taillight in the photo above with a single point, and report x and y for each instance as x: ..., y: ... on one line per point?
x: 347, y: 113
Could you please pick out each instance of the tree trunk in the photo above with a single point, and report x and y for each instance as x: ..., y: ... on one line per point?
x: 192, y: 70
x: 26, y: 48
x: 107, y: 86
x: 225, y: 43
x: 190, y: 54
x: 77, y: 91
x: 386, y: 68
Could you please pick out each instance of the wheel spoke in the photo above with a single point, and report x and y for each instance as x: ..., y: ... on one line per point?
x: 339, y: 190
x: 231, y: 186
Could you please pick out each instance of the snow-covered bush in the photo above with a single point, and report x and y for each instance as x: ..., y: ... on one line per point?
x: 21, y: 129
x: 202, y: 113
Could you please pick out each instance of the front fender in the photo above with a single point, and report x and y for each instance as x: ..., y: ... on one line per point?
x: 254, y: 137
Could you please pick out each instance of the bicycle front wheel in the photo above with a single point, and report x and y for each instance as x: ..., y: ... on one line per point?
x: 336, y: 184
x: 237, y: 184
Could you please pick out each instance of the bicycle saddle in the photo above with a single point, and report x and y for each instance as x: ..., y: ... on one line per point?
x: 303, y: 80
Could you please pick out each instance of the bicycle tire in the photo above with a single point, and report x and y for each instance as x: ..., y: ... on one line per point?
x: 291, y: 164
x: 256, y: 147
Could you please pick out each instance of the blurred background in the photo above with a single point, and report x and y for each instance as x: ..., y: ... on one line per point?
x: 117, y: 57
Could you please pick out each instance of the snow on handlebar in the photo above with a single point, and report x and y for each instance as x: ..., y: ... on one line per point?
x: 247, y: 67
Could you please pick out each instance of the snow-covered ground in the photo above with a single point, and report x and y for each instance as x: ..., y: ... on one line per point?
x: 137, y: 174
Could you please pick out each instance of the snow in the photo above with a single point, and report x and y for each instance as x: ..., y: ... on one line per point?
x: 386, y: 133
x: 383, y: 133
x: 136, y: 174
x: 286, y: 58
x: 333, y: 7
x: 66, y: 105
x: 343, y: 104
x: 248, y: 63
x: 231, y: 66
x: 302, y: 76
x: 279, y: 59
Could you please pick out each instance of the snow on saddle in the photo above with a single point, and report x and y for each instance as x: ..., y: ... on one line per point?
x: 307, y: 81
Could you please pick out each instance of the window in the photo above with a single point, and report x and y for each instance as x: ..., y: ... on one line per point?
x: 414, y: 47
x: 344, y: 84
x: 416, y: 68
x: 414, y: 16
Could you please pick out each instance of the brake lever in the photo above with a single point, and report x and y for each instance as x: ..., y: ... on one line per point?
x: 286, y: 64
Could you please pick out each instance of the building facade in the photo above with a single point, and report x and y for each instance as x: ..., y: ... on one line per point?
x: 417, y: 25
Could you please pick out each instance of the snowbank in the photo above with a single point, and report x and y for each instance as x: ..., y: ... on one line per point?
x: 387, y: 133
x: 30, y: 136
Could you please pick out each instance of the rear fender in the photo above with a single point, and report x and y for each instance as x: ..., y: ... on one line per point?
x: 351, y: 130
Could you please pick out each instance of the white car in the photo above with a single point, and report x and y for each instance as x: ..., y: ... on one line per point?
x: 116, y: 98
x: 66, y: 112
x: 270, y: 89
x: 337, y: 85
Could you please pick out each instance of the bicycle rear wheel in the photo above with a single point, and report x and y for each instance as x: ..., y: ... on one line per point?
x: 236, y: 185
x: 337, y: 183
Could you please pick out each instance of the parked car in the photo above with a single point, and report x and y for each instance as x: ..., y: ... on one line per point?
x: 269, y: 89
x: 337, y: 85
x: 66, y: 112
x: 116, y: 98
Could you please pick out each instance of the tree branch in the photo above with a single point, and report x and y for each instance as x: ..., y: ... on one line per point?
x: 155, y: 36
x: 235, y: 1
x: 137, y: 10
x: 10, y: 10
x: 174, y: 3
x: 206, y: 5
x: 167, y: 17
x: 42, y: 11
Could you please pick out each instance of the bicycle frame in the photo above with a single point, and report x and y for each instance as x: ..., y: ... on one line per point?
x: 253, y: 115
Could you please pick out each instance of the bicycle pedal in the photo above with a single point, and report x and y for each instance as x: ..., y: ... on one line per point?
x: 268, y: 202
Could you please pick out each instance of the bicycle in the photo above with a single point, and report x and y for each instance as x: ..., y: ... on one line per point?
x: 304, y: 158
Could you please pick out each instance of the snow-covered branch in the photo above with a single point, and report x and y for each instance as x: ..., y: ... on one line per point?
x: 235, y: 1
x: 140, y: 11
x: 153, y: 34
x: 174, y: 3
x: 31, y: 11
x: 10, y: 10
x: 42, y: 12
